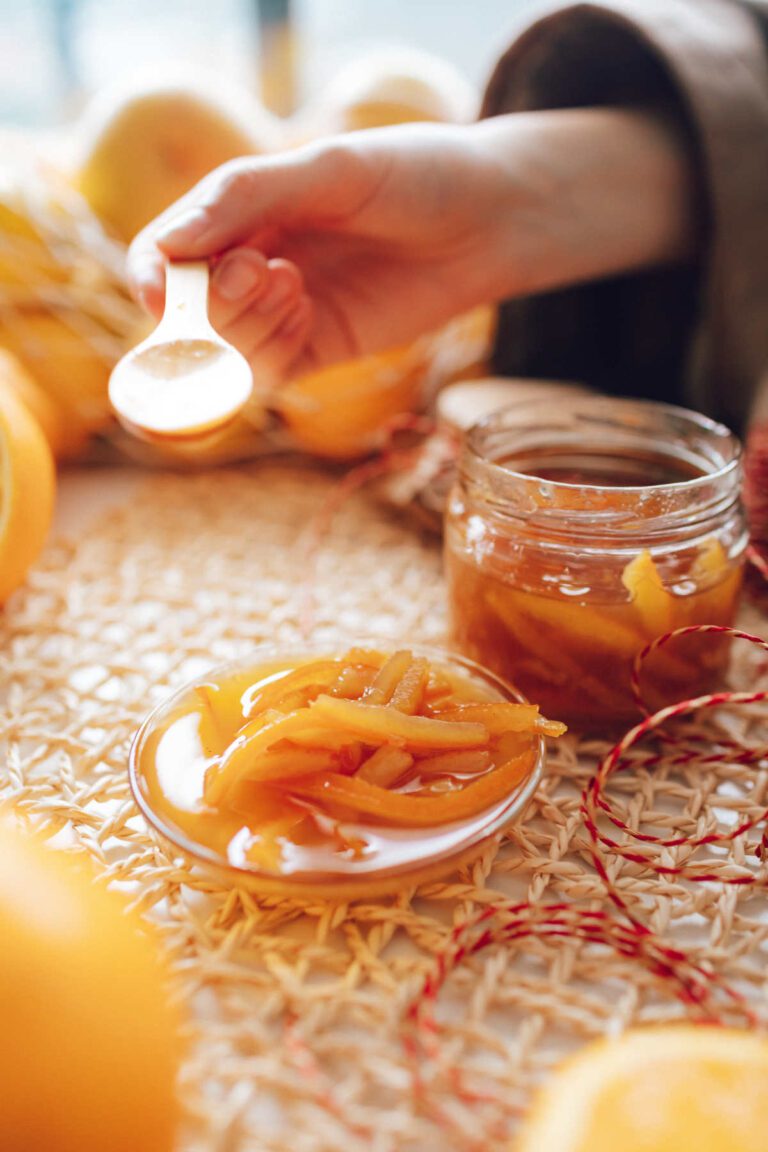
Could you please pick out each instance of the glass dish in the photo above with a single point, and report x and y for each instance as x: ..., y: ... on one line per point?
x: 401, y: 856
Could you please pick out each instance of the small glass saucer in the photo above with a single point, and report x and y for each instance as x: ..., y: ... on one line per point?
x: 399, y: 858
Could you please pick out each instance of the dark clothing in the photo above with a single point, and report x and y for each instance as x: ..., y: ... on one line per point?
x: 695, y: 335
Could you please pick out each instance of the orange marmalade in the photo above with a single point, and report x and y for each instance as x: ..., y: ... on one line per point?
x: 577, y: 533
x: 334, y: 768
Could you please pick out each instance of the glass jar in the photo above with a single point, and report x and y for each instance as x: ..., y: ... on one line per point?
x: 579, y: 531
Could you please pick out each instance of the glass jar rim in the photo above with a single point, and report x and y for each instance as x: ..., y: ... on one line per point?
x: 599, y: 406
x: 606, y: 429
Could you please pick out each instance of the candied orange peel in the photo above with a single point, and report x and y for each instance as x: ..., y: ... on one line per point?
x: 369, y: 737
x: 572, y: 647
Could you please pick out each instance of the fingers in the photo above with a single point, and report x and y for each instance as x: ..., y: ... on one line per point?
x: 258, y: 305
x: 233, y: 205
x: 146, y: 278
x: 239, y: 274
x: 215, y: 216
x: 273, y: 362
x: 249, y: 320
x: 261, y: 308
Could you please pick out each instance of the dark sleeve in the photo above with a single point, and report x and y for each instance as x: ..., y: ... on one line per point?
x: 696, y: 335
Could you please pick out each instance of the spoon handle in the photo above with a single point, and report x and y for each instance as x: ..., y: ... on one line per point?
x: 186, y: 299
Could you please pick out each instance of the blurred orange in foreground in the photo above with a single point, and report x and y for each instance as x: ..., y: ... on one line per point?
x: 27, y: 489
x: 662, y: 1089
x: 87, y: 1041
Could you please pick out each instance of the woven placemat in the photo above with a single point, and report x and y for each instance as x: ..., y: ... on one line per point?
x: 416, y: 1021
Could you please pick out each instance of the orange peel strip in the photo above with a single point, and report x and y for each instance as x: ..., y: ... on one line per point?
x: 408, y: 697
x: 375, y: 723
x: 653, y: 603
x: 313, y: 736
x: 287, y: 763
x: 501, y: 718
x: 254, y: 738
x: 211, y: 729
x: 388, y: 678
x: 455, y: 763
x: 370, y: 657
x: 352, y: 682
x: 386, y: 765
x: 319, y: 672
x: 409, y: 809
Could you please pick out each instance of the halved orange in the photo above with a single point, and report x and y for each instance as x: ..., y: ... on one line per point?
x: 661, y: 1089
x: 27, y: 490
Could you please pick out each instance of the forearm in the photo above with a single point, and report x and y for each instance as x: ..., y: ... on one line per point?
x: 583, y: 194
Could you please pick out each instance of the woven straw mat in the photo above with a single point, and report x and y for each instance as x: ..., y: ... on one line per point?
x: 382, y: 1024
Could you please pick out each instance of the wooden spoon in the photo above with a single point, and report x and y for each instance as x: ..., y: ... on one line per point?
x: 184, y: 380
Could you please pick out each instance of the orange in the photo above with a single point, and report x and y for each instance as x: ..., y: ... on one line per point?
x: 683, y: 1088
x: 141, y: 145
x: 27, y: 490
x: 383, y: 87
x: 342, y: 411
x: 65, y: 436
x: 71, y: 369
x: 87, y: 1040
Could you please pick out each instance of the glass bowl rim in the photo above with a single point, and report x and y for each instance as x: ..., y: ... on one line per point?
x: 208, y: 859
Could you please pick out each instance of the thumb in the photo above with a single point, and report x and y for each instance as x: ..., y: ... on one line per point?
x: 234, y: 203
x: 321, y: 184
x: 247, y: 197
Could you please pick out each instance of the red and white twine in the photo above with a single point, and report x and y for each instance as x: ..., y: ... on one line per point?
x: 705, y: 995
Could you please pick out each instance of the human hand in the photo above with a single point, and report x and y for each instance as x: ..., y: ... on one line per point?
x: 334, y: 250
x: 361, y: 242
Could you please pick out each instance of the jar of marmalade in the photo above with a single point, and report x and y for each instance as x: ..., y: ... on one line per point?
x: 579, y: 531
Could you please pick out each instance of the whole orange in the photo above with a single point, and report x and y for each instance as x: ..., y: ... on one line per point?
x: 88, y: 1042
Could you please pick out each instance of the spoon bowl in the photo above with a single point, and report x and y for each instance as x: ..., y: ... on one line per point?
x: 184, y: 380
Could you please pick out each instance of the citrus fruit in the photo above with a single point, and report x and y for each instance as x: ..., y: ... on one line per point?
x: 27, y: 489
x: 388, y: 86
x: 64, y: 362
x: 661, y: 1089
x: 342, y: 411
x: 87, y: 1040
x: 66, y: 437
x: 141, y: 145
